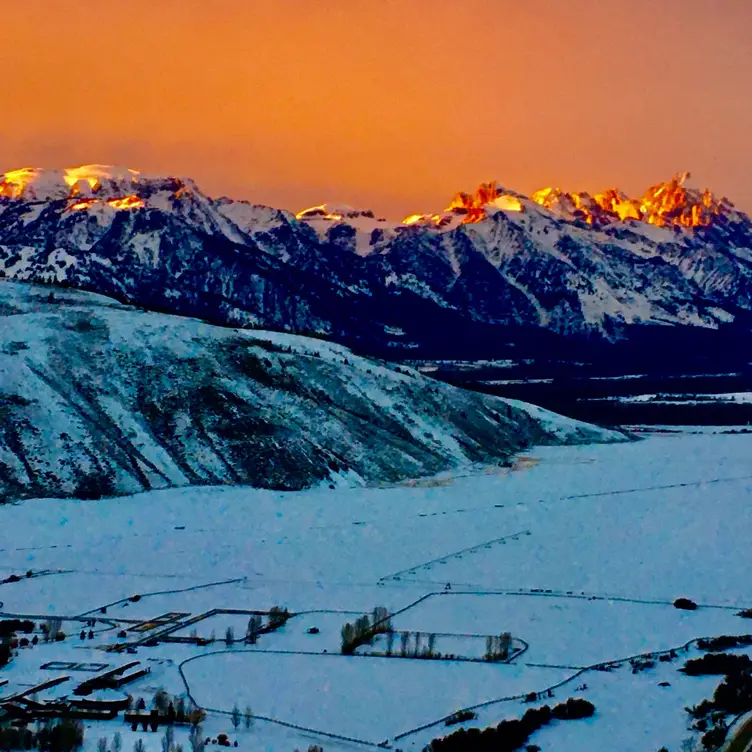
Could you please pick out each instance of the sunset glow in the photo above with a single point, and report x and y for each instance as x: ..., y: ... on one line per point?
x: 390, y: 106
x: 91, y: 174
x: 14, y: 182
x: 663, y: 204
x: 318, y: 212
x: 127, y: 202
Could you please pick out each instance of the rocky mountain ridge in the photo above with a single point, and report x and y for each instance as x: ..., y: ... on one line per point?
x: 497, y: 274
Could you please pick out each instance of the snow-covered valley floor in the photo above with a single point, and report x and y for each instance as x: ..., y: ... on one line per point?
x: 579, y: 553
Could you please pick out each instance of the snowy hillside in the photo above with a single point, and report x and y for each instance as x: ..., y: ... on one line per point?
x: 496, y: 274
x: 578, y: 552
x: 97, y: 398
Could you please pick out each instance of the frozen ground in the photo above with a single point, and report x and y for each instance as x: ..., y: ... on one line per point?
x: 614, y: 532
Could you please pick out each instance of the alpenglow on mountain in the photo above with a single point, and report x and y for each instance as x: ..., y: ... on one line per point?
x: 496, y: 273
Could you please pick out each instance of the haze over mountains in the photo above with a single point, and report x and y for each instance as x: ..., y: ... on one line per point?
x: 665, y: 276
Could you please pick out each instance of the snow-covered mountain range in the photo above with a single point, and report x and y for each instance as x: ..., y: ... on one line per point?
x: 572, y: 273
x: 98, y: 398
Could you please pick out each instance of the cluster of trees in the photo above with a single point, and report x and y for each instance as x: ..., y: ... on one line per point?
x: 165, y: 709
x: 717, y: 663
x: 733, y: 696
x: 511, y: 735
x: 15, y: 578
x: 420, y: 645
x: 724, y: 642
x: 460, y: 717
x: 52, y: 630
x: 685, y: 604
x: 9, y: 627
x: 642, y: 664
x: 238, y: 718
x: 277, y: 618
x: 498, y: 648
x: 411, y: 645
x: 63, y: 735
x: 417, y: 650
x: 365, y: 629
x: 8, y: 630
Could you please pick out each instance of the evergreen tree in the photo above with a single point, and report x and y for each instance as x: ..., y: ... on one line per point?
x: 235, y: 717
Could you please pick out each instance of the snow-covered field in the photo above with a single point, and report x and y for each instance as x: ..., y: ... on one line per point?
x: 579, y: 553
x: 683, y: 399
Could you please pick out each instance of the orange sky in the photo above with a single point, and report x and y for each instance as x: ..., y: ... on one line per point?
x: 390, y: 104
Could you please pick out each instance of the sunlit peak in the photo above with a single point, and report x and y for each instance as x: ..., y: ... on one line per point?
x: 413, y: 219
x: 670, y: 204
x: 93, y: 174
x: 507, y: 202
x: 14, y: 182
x: 41, y: 184
x: 127, y: 202
x: 321, y: 211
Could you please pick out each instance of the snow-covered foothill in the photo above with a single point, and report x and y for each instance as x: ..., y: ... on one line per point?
x: 102, y: 399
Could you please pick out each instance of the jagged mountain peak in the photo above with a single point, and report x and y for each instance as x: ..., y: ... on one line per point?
x: 38, y: 183
x: 493, y: 265
x: 673, y: 203
x: 91, y: 186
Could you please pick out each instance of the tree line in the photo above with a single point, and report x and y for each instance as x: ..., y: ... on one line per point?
x: 62, y: 735
x: 510, y: 735
x: 411, y: 644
